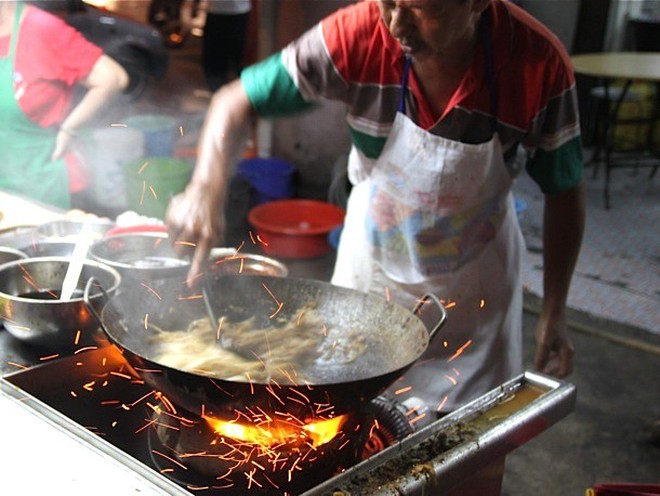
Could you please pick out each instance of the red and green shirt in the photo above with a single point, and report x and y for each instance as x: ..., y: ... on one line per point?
x: 351, y: 57
x: 51, y: 58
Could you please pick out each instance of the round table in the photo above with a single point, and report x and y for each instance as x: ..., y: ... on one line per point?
x: 640, y: 66
x: 629, y: 67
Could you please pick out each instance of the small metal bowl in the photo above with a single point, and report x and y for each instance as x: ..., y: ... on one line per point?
x: 140, y: 256
x: 70, y: 230
x: 49, y: 249
x: 10, y: 254
x: 227, y: 261
x: 30, y: 307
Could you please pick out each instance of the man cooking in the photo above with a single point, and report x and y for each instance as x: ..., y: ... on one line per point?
x: 447, y: 101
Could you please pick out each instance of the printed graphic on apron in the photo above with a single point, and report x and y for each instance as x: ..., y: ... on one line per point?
x: 434, y: 205
x: 434, y: 243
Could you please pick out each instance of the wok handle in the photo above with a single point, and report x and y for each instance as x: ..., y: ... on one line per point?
x: 90, y: 306
x: 443, y: 312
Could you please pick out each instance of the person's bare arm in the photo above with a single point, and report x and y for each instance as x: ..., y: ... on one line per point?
x: 106, y: 79
x: 196, y: 216
x: 563, y: 227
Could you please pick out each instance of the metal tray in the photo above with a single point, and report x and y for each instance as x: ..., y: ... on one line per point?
x: 487, y: 429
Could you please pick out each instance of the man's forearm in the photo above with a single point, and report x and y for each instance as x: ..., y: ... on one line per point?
x: 223, y: 139
x: 563, y: 228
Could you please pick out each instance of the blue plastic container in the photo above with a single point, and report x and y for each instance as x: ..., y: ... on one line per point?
x: 159, y: 133
x: 270, y: 179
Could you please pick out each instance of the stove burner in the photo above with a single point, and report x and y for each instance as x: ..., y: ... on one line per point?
x: 176, y: 472
x: 189, y: 452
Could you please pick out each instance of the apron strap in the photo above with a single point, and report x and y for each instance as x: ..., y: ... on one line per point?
x: 404, y: 84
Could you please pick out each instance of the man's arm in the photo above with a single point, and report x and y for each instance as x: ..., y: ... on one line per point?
x: 197, y: 215
x: 563, y: 227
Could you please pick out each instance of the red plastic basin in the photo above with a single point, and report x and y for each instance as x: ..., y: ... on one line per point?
x: 295, y: 228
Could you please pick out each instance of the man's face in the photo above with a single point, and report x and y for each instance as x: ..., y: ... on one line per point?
x: 431, y: 27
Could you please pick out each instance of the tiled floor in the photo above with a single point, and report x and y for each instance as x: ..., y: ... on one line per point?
x: 618, y: 272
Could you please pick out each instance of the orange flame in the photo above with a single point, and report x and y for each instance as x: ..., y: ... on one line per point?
x: 277, y: 433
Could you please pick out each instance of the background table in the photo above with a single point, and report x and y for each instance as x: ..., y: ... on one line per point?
x: 619, y: 65
x: 629, y: 67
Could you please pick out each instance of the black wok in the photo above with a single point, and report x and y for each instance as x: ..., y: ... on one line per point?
x: 395, y: 338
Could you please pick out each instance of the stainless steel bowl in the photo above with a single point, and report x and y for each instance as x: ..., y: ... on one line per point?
x: 70, y: 230
x: 227, y: 261
x: 49, y: 249
x: 140, y: 256
x: 30, y: 307
x: 10, y: 254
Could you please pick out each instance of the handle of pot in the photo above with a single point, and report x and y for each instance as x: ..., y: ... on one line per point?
x: 443, y: 312
x: 90, y: 306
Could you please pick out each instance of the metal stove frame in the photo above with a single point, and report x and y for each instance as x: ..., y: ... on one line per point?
x: 452, y: 467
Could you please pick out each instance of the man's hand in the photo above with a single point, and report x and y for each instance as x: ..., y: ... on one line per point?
x: 554, y: 348
x: 196, y: 223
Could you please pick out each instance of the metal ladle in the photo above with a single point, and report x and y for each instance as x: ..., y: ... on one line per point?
x: 224, y: 341
x: 75, y: 265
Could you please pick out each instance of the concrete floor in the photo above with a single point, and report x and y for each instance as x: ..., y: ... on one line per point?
x: 608, y: 437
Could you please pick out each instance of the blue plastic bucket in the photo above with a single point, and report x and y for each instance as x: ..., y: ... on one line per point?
x: 160, y: 132
x: 271, y: 179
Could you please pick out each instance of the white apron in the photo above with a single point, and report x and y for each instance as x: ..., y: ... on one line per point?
x: 435, y: 215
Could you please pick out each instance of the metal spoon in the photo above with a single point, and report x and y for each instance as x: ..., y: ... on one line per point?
x: 224, y: 341
x: 75, y: 265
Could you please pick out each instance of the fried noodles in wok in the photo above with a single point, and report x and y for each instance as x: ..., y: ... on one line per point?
x: 282, y: 352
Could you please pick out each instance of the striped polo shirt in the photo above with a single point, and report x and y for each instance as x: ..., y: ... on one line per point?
x: 350, y: 56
